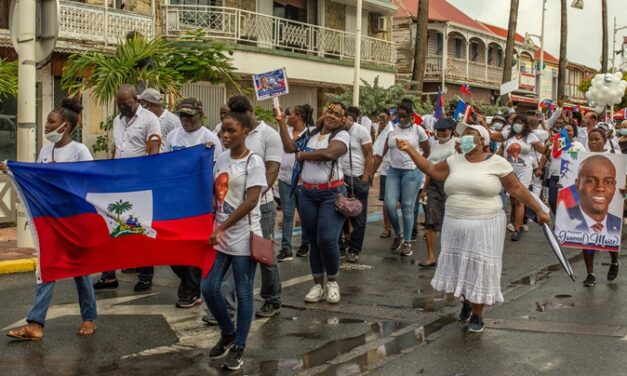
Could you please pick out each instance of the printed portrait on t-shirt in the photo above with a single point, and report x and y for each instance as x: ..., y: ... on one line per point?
x: 513, y: 154
x: 222, y: 188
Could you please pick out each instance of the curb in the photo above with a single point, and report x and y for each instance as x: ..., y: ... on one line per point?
x: 18, y: 266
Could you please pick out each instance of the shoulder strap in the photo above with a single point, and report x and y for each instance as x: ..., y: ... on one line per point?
x: 250, y: 225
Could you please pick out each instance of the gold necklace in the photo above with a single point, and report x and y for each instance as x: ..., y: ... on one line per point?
x: 243, y: 154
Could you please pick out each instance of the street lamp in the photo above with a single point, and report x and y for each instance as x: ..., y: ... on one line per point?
x: 616, y: 30
x: 357, y: 61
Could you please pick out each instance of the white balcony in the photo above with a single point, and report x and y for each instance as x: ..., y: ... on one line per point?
x: 245, y: 27
x: 95, y: 24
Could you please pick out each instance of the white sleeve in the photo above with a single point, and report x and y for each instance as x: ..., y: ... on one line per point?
x: 84, y: 154
x: 169, y: 140
x: 343, y: 137
x: 364, y: 137
x: 422, y: 135
x: 274, y: 148
x: 556, y: 115
x: 379, y: 145
x: 217, y: 145
x: 256, y: 171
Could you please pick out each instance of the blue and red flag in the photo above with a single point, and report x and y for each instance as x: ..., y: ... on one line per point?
x: 561, y: 143
x: 568, y: 197
x: 87, y: 217
x: 439, y: 106
x: 462, y: 111
x: 417, y: 118
x: 465, y: 89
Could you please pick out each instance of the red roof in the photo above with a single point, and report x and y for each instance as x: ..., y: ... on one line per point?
x: 519, y: 38
x: 439, y: 10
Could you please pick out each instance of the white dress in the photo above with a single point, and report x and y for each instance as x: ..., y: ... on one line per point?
x: 473, y: 231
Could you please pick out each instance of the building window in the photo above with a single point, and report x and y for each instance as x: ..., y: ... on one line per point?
x: 458, y: 48
x: 474, y: 51
x: 5, y: 6
x: 439, y: 43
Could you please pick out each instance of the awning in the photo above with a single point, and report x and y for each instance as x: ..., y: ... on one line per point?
x: 520, y: 98
x: 621, y: 114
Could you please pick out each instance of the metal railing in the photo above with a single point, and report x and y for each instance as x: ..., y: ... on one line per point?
x: 94, y: 23
x: 459, y: 69
x: 242, y: 26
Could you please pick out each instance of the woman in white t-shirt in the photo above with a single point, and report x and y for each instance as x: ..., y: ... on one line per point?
x: 404, y: 179
x: 239, y: 178
x: 322, y: 181
x: 470, y: 261
x: 61, y: 123
x: 518, y: 143
x: 299, y: 118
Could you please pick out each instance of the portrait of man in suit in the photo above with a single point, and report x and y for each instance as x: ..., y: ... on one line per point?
x: 596, y: 186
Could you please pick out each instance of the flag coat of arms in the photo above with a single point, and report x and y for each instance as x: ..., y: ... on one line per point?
x: 88, y: 217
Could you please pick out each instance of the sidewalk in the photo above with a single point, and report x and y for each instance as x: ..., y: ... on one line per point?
x: 12, y: 258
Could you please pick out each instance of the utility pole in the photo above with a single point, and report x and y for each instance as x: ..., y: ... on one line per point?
x: 541, y: 51
x: 421, y: 46
x: 509, y: 47
x: 616, y: 30
x: 561, y: 79
x: 356, y: 80
x: 604, y: 59
x: 26, y: 103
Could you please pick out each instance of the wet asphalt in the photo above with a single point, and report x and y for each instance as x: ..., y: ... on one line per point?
x: 389, y: 322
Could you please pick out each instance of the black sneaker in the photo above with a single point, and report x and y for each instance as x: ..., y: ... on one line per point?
x: 466, y: 312
x: 210, y: 320
x: 222, y: 348
x: 516, y: 235
x: 613, y: 272
x: 396, y: 243
x: 103, y: 285
x: 343, y: 253
x: 188, y: 301
x: 475, y: 325
x: 235, y: 359
x: 352, y: 257
x: 143, y: 286
x: 590, y: 280
x: 268, y: 310
x: 285, y: 255
x: 303, y: 251
x: 406, y: 249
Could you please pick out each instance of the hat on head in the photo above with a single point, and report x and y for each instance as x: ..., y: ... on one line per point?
x: 444, y: 123
x: 189, y: 106
x: 604, y: 126
x: 151, y: 95
x: 461, y: 127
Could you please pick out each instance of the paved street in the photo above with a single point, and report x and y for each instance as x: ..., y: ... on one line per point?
x: 389, y: 322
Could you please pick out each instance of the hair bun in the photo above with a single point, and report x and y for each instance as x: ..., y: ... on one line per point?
x: 72, y: 104
x: 240, y: 103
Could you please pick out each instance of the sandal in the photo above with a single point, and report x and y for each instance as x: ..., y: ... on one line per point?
x: 387, y: 233
x: 30, y: 332
x: 87, y: 328
x: 425, y: 265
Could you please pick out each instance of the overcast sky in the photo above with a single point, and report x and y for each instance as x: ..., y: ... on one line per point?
x: 584, y: 26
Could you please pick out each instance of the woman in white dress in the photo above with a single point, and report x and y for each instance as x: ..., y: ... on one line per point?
x: 473, y: 230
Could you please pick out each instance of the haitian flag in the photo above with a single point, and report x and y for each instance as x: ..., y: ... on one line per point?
x: 439, y: 106
x: 465, y: 89
x: 561, y: 142
x: 91, y: 216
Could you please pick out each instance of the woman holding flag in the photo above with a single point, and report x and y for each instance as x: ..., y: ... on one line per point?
x: 61, y: 123
x: 563, y: 141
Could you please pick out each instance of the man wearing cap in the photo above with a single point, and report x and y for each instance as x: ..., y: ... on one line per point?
x: 191, y: 133
x: 136, y: 133
x: 611, y: 145
x: 151, y: 100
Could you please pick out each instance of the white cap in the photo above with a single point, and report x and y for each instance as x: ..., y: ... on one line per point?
x: 461, y: 127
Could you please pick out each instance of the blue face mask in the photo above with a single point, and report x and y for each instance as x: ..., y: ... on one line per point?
x: 467, y: 143
x: 517, y: 128
x: 498, y: 126
x: 623, y: 131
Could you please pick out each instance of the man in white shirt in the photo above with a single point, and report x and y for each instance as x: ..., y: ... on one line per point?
x: 136, y: 133
x: 590, y: 120
x: 152, y: 100
x: 357, y: 164
x: 224, y: 109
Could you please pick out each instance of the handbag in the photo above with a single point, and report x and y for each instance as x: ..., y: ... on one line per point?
x: 347, y: 206
x: 261, y: 249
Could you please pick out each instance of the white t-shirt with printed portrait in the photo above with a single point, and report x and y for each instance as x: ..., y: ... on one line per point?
x: 359, y: 136
x: 232, y: 177
x: 72, y: 152
x: 319, y: 172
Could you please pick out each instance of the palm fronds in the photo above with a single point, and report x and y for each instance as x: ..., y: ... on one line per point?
x: 8, y: 78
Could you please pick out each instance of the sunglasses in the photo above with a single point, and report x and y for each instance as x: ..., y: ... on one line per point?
x: 185, y: 115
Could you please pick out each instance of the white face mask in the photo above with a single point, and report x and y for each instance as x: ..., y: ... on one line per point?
x: 55, y: 136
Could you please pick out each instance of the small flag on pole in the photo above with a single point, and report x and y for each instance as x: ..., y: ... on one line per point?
x: 462, y: 111
x: 439, y: 106
x: 417, y: 118
x: 465, y: 89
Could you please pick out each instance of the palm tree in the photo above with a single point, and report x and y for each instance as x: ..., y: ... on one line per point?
x: 8, y: 78
x: 119, y: 207
x: 420, y: 52
x: 604, y: 60
x: 509, y: 47
x: 561, y: 72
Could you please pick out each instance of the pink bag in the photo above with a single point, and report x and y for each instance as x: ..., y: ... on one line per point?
x: 348, y: 207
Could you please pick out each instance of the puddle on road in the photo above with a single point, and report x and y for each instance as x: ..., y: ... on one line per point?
x: 434, y: 302
x: 563, y: 296
x: 547, y: 306
x: 541, y: 275
x: 332, y: 349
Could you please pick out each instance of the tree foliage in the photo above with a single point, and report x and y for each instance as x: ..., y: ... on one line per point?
x: 8, y: 78
x: 373, y: 97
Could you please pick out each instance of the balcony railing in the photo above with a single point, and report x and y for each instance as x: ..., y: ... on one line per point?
x: 261, y: 30
x: 461, y: 70
x: 94, y: 23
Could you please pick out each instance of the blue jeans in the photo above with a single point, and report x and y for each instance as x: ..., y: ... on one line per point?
x: 323, y: 225
x: 43, y: 297
x: 288, y: 204
x: 270, y: 275
x: 244, y: 273
x: 402, y: 185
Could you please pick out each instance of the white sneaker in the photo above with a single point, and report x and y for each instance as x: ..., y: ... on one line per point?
x: 315, y: 294
x: 511, y: 228
x: 525, y: 228
x: 333, y: 292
